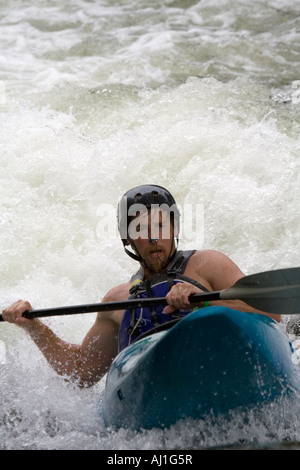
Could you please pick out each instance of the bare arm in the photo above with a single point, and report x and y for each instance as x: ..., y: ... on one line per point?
x: 85, y: 363
x: 215, y: 271
x: 223, y: 273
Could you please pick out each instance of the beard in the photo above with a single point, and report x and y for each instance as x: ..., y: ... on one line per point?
x: 156, y: 259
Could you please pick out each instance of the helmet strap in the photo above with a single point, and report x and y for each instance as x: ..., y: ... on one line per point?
x: 133, y: 255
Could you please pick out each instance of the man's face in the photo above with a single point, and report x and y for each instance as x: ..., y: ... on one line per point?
x: 152, y: 234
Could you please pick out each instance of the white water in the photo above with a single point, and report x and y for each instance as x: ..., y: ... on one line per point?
x: 202, y: 97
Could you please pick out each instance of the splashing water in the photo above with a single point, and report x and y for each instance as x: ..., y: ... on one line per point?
x: 202, y: 97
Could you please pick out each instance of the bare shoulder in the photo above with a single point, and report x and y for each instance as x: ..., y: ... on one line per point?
x: 210, y: 259
x: 207, y: 256
x: 116, y: 294
x: 216, y: 268
x: 120, y: 292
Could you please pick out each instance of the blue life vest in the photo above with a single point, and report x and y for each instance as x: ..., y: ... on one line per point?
x: 137, y: 321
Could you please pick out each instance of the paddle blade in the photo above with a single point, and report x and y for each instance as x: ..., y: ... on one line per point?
x: 271, y: 291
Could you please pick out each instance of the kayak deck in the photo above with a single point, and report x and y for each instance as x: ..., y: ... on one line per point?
x: 212, y: 361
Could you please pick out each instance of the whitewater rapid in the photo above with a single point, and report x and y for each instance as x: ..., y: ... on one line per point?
x: 202, y: 97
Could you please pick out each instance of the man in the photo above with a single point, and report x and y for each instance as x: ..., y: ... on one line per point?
x: 149, y: 225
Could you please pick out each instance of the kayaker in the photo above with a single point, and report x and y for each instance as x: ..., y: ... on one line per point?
x: 149, y: 223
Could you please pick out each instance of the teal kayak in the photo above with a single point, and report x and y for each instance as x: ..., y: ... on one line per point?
x: 212, y: 361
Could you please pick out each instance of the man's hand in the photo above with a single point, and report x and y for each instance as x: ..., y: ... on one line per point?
x: 13, y: 313
x: 178, y: 297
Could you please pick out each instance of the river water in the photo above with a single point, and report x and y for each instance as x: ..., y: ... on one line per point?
x: 202, y: 97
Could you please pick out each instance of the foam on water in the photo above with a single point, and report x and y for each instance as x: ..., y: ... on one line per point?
x: 201, y: 97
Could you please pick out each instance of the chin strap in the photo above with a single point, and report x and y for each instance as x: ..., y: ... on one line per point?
x: 133, y: 255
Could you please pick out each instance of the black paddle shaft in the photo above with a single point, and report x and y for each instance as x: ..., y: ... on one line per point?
x: 275, y: 291
x: 110, y: 306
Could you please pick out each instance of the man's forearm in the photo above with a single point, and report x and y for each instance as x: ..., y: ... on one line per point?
x: 63, y: 357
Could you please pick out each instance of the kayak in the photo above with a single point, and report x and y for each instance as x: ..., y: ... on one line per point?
x: 212, y: 361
